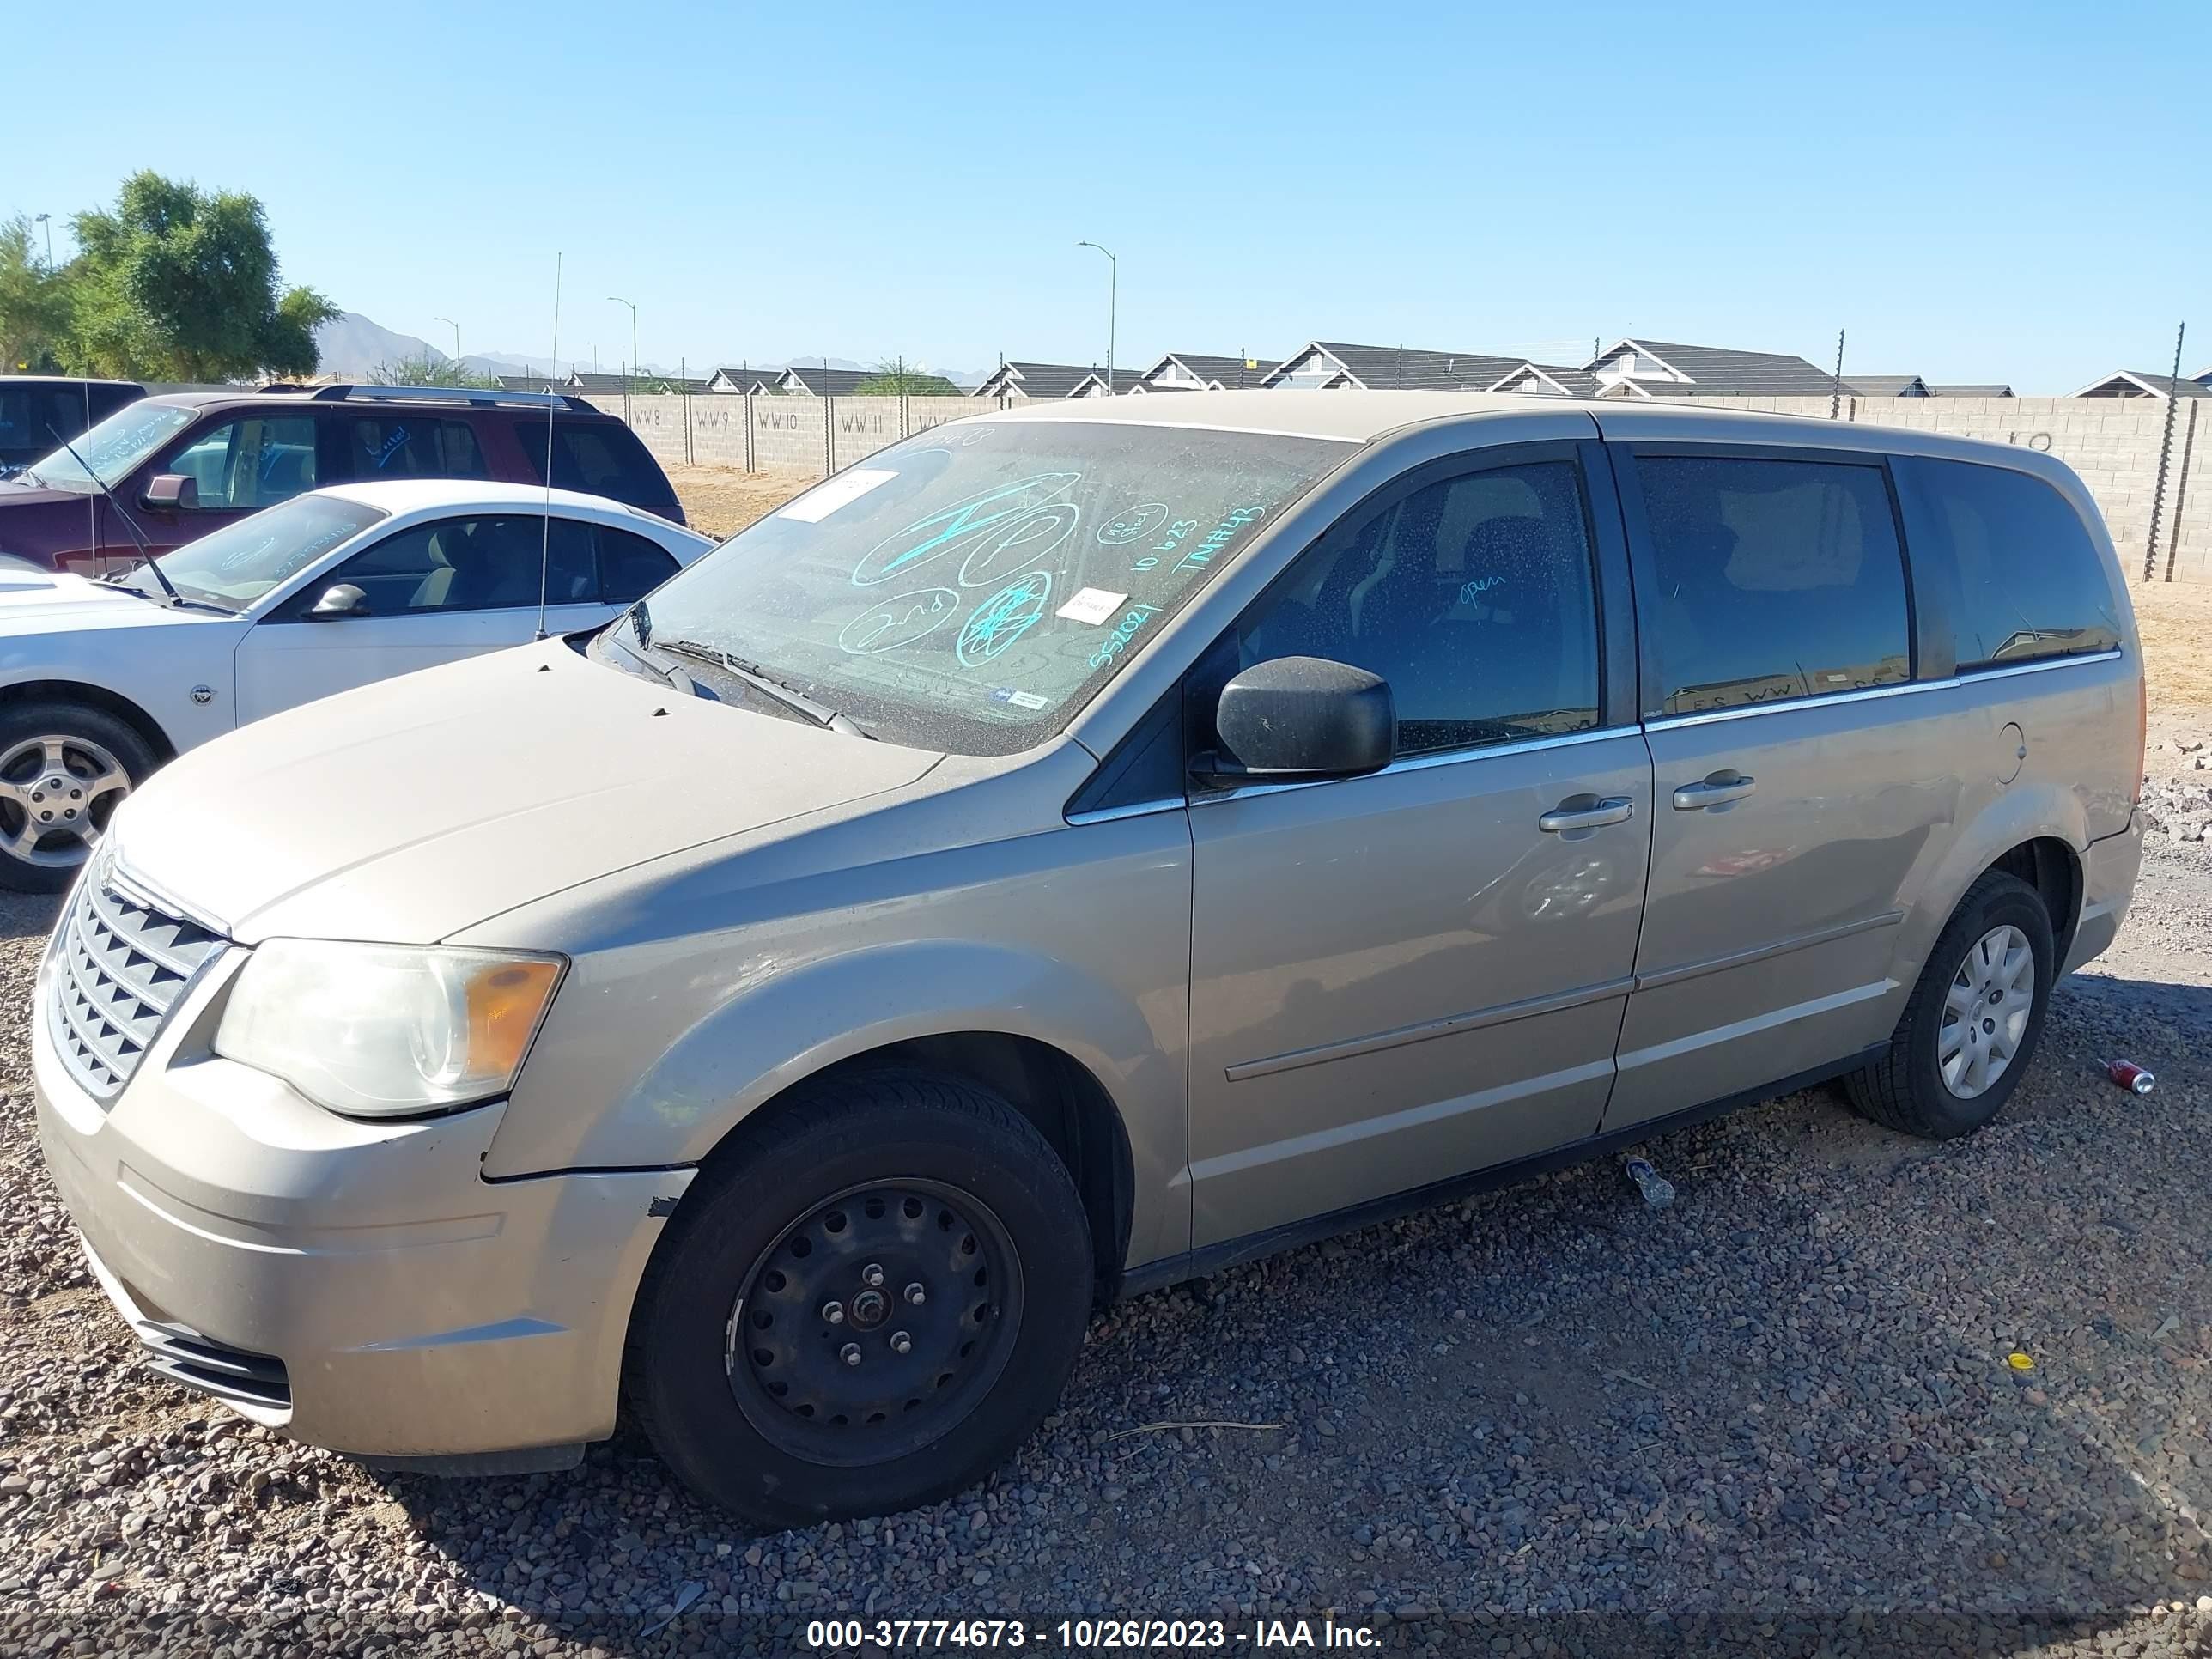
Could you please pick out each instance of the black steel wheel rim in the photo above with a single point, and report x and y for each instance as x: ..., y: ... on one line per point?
x: 875, y: 1323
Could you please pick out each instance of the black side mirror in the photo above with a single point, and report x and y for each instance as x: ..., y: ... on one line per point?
x: 339, y: 599
x: 1302, y: 717
x: 171, y: 489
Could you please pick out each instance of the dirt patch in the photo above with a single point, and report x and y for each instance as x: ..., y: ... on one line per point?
x: 720, y: 501
x: 2175, y: 619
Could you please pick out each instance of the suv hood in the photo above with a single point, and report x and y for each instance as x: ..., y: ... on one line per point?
x: 409, y: 811
x: 56, y: 601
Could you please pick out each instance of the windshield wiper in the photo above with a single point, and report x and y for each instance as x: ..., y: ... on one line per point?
x: 750, y: 674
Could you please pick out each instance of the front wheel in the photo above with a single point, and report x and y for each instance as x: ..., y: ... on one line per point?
x: 64, y: 768
x: 1970, y: 1027
x: 864, y: 1303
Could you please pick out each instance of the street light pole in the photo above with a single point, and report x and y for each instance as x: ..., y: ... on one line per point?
x: 456, y: 327
x: 618, y: 300
x: 1112, y: 301
x: 47, y: 220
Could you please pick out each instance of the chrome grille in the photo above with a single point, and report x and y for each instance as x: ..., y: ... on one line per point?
x: 119, y: 967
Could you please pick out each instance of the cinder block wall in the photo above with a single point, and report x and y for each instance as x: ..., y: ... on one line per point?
x: 2112, y: 442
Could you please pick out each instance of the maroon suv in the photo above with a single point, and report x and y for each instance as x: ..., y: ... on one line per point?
x: 178, y: 466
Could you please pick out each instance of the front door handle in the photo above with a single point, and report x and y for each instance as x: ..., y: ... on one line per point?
x: 1614, y: 809
x: 1716, y: 790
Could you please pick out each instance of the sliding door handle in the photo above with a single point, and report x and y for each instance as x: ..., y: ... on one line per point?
x: 1717, y: 790
x: 1614, y: 809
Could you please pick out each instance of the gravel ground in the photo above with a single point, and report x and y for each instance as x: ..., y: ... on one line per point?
x: 1777, y: 1417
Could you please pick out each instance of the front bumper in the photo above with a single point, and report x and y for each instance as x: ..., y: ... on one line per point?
x: 358, y: 1285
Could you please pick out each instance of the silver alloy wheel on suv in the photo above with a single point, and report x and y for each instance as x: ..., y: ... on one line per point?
x: 1985, y: 1011
x: 57, y: 795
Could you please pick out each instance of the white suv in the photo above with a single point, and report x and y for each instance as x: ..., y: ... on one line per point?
x: 102, y: 680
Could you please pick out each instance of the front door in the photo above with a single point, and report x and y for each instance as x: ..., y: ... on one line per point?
x: 238, y: 466
x: 1400, y: 977
x: 1802, y: 779
x: 433, y: 593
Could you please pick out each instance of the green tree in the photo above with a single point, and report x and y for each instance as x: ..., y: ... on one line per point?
x: 176, y: 283
x: 894, y: 377
x: 35, y: 302
x: 424, y: 368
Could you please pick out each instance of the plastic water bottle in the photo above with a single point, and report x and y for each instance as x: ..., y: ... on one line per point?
x: 1658, y: 1191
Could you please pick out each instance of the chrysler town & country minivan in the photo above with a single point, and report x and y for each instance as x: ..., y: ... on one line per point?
x: 1077, y: 848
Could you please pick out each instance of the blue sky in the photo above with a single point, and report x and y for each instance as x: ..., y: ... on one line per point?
x: 2014, y: 192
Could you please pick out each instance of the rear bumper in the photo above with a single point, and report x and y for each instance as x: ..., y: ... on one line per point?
x: 359, y: 1286
x: 2109, y: 867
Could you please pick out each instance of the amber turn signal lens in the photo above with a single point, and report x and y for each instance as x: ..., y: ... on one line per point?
x: 504, y: 1001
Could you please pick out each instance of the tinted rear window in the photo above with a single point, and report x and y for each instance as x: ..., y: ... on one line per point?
x: 598, y: 458
x: 630, y: 566
x: 404, y: 445
x: 1776, y: 578
x: 2024, y: 581
x: 33, y: 417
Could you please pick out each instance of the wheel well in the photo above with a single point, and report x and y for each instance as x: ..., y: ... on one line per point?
x: 1058, y: 1095
x: 2049, y: 865
x: 93, y: 697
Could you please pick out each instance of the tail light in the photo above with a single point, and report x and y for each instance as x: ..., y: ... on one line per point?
x: 2143, y: 733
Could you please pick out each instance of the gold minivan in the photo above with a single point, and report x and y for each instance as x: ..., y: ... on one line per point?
x: 1077, y: 850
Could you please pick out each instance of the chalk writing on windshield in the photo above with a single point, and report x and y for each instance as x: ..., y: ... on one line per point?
x: 957, y: 526
x: 1024, y: 542
x: 1003, y: 618
x: 899, y: 621
x: 1132, y: 524
x: 1124, y: 630
x: 1220, y: 537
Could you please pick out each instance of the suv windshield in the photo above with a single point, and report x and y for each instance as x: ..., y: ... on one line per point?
x: 237, y: 564
x: 114, y: 449
x: 970, y: 588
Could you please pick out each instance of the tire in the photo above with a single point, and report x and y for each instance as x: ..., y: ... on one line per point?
x: 785, y: 1220
x: 1906, y: 1089
x: 69, y: 765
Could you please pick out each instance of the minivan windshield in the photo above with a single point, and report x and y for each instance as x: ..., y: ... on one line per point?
x: 970, y: 588
x: 114, y: 449
x: 237, y: 564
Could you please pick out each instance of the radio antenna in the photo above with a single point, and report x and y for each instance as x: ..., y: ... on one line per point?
x: 553, y: 402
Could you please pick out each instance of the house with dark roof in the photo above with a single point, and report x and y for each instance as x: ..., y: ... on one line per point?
x: 1889, y: 385
x: 1662, y: 369
x: 1199, y: 371
x: 2140, y: 383
x: 1331, y: 365
x: 741, y: 378
x: 1975, y: 389
x: 593, y: 383
x: 528, y: 383
x: 1033, y: 380
x: 1547, y: 380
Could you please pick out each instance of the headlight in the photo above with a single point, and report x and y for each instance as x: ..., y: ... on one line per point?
x: 382, y: 1030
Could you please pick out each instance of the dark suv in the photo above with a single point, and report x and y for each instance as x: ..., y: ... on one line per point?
x: 38, y: 411
x: 181, y: 465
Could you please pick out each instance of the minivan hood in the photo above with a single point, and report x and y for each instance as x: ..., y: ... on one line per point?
x: 408, y: 810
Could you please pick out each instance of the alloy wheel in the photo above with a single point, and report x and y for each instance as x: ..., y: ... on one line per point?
x: 57, y: 795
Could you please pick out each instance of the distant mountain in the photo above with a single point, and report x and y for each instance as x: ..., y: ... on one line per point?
x: 353, y: 346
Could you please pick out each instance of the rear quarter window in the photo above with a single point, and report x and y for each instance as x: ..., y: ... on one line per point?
x: 2018, y: 572
x: 599, y: 457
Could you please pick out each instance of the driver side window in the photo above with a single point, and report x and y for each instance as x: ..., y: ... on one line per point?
x: 252, y: 462
x: 489, y: 562
x: 1472, y: 594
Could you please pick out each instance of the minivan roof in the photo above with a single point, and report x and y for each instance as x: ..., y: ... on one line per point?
x: 1349, y: 416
